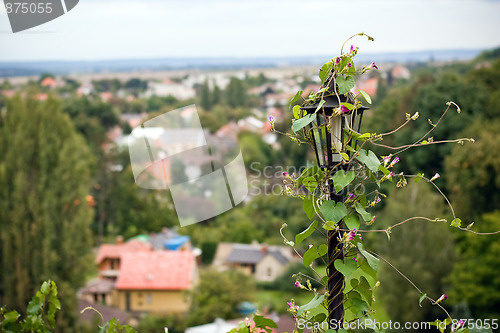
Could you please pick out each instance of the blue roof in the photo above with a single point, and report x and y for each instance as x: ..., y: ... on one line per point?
x: 176, y: 242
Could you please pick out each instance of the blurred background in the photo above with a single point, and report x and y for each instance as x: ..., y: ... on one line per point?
x: 72, y: 90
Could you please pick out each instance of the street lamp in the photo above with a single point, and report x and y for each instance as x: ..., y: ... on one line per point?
x: 327, y: 133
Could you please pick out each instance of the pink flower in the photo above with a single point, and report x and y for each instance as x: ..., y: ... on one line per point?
x: 436, y: 176
x: 372, y: 65
x: 442, y: 298
x: 343, y: 109
x: 271, y: 119
x: 348, y: 65
x: 292, y: 306
x: 460, y: 323
x: 394, y: 161
x: 351, y: 196
x: 285, y: 174
x: 352, y: 48
x: 298, y: 285
x: 387, y: 159
x: 337, y: 61
x: 352, y: 234
x: 378, y: 200
x: 310, y: 245
x: 166, y: 329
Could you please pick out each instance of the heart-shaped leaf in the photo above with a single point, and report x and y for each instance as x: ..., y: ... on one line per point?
x: 341, y: 179
x: 313, y: 253
x: 345, y: 84
x: 369, y: 159
x: 310, y: 183
x: 333, y: 211
x: 352, y: 221
x: 347, y: 268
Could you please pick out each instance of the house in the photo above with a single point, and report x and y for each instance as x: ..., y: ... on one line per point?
x: 156, y: 281
x: 97, y: 290
x: 109, y: 257
x: 261, y: 261
x: 170, y: 88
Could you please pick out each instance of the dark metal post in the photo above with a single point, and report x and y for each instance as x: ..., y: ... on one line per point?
x: 335, y: 278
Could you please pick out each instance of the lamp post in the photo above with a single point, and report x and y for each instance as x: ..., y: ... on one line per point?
x: 327, y: 132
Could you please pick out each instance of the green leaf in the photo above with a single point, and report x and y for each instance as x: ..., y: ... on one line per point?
x: 317, y: 299
x: 352, y: 221
x: 345, y: 84
x: 419, y: 177
x: 365, y: 290
x: 319, y: 318
x: 303, y: 122
x: 361, y: 211
x: 333, y: 211
x: 314, y: 253
x: 370, y: 258
x: 365, y: 96
x: 35, y: 305
x: 359, y: 137
x: 456, y: 223
x: 366, y: 271
x: 306, y: 233
x: 320, y: 105
x: 295, y: 98
x: 263, y: 323
x: 345, y: 157
x: 11, y: 317
x: 347, y: 268
x: 308, y: 207
x: 324, y: 70
x: 360, y: 305
x: 297, y: 111
x: 349, y: 106
x: 310, y: 183
x: 341, y: 179
x: 384, y: 170
x: 369, y: 159
x: 45, y: 288
x: 422, y: 297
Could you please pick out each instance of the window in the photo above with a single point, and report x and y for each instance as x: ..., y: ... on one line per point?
x: 149, y: 298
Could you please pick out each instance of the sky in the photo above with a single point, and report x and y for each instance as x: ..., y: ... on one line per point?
x: 144, y: 29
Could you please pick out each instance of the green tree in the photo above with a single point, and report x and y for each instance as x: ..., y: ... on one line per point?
x: 44, y: 216
x: 205, y: 98
x: 236, y: 93
x: 473, y: 171
x: 421, y: 250
x: 475, y: 278
x: 92, y: 118
x: 218, y: 296
x: 216, y: 95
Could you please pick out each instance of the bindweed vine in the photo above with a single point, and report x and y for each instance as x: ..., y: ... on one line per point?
x: 355, y: 180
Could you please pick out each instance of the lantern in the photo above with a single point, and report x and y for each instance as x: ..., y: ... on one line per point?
x: 329, y: 141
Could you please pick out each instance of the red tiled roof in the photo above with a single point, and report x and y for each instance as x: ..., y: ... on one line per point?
x: 115, y: 251
x: 162, y: 270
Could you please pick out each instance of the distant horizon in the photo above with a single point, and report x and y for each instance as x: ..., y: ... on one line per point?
x: 67, y: 67
x: 242, y: 57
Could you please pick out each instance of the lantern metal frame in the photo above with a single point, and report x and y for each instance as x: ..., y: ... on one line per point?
x: 328, y: 143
